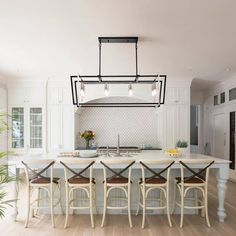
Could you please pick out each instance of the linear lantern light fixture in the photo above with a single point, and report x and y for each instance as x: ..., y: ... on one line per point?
x: 157, y: 82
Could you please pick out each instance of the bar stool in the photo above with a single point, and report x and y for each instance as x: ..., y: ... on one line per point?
x: 34, y: 170
x: 79, y: 181
x: 154, y: 182
x: 117, y: 181
x: 198, y: 181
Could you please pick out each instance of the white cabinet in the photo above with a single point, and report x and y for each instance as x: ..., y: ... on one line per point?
x: 27, y: 129
x: 177, y: 95
x: 26, y: 95
x: 60, y: 120
x: 59, y: 96
x: 26, y: 105
x: 176, y: 124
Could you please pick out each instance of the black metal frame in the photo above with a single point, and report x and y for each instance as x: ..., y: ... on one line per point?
x: 136, y: 79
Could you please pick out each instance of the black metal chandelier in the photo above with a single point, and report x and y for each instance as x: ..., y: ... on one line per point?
x: 157, y: 82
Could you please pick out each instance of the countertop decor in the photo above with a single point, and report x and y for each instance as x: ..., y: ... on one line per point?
x: 87, y: 135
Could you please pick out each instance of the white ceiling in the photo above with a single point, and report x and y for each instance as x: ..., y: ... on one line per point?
x: 57, y: 38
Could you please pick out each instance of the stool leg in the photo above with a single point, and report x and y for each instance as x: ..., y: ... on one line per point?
x: 28, y: 207
x: 52, y: 205
x: 139, y: 189
x: 37, y: 211
x: 203, y: 209
x: 67, y: 204
x: 73, y: 198
x: 168, y: 206
x: 196, y: 199
x: 94, y: 199
x: 144, y: 206
x: 182, y: 207
x: 174, y: 200
x: 62, y: 210
x: 161, y: 200
x: 129, y: 211
x: 91, y: 204
x: 104, y: 204
x: 206, y: 208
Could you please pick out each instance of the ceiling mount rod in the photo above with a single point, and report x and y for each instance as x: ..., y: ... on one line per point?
x: 117, y: 40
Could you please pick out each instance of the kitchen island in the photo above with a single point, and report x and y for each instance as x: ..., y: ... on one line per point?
x: 220, y: 169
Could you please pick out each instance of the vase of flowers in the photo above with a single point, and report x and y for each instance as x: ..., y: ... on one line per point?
x: 87, y: 135
x: 182, y: 146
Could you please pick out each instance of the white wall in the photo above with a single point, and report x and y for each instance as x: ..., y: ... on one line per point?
x: 211, y: 111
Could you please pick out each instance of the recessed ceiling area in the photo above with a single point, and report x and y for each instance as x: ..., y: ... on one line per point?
x: 54, y: 39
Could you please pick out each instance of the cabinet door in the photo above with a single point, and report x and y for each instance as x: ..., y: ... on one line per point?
x: 17, y: 96
x: 18, y: 128
x: 54, y: 95
x: 183, y: 124
x: 170, y: 134
x: 171, y: 95
x: 36, y: 95
x: 25, y: 95
x: 54, y: 128
x: 36, y: 128
x: 178, y: 95
x: 59, y: 95
x: 176, y: 124
x: 67, y: 128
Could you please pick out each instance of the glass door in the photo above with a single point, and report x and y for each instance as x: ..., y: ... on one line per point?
x: 36, y: 127
x: 17, y: 137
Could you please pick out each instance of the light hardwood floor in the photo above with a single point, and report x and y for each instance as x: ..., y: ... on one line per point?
x: 118, y: 225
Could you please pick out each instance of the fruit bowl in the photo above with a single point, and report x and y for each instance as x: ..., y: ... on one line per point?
x: 172, y: 153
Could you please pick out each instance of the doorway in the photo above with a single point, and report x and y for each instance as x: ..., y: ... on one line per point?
x: 194, y: 128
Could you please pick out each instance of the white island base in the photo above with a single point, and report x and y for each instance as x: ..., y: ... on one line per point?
x: 220, y: 169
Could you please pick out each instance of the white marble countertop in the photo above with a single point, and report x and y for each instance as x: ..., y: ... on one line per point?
x: 147, y: 154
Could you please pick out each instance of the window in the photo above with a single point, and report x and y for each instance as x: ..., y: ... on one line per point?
x: 232, y: 94
x: 35, y: 127
x: 222, y: 98
x: 215, y: 100
x: 18, y: 127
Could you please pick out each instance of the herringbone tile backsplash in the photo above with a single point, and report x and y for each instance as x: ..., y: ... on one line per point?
x: 136, y: 126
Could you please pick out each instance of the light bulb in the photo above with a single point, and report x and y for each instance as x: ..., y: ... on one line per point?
x: 82, y: 90
x: 154, y: 89
x: 130, y: 89
x: 106, y: 89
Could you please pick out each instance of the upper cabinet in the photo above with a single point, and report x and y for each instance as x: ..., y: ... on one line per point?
x: 59, y: 95
x: 26, y: 95
x: 176, y: 124
x: 177, y: 95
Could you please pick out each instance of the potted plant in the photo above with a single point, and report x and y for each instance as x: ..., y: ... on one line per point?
x: 5, y: 176
x: 182, y: 146
x: 87, y: 135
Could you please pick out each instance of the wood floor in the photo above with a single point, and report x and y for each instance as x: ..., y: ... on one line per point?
x: 118, y: 225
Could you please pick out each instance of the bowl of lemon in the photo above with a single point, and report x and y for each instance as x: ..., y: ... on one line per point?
x: 172, y: 152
